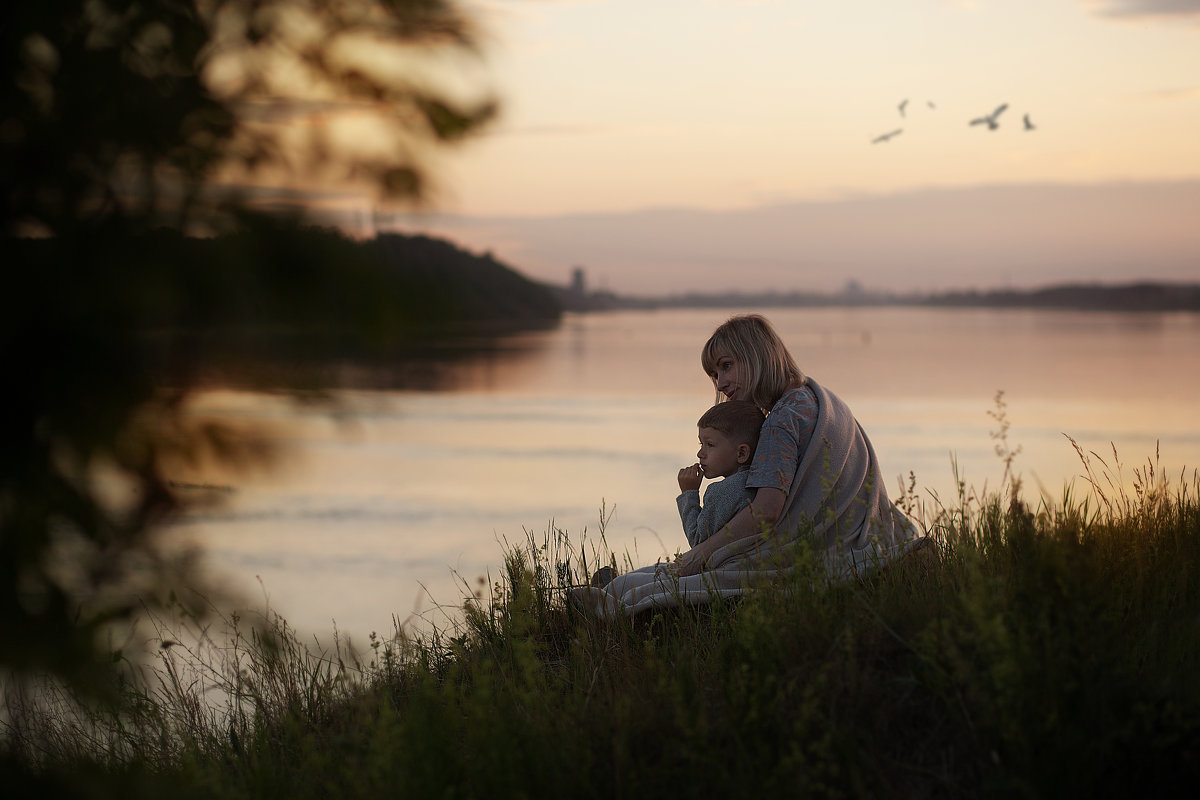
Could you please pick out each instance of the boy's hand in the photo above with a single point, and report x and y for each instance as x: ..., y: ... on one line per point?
x: 689, y: 478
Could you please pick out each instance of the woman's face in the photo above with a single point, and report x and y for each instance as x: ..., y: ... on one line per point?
x: 729, y: 377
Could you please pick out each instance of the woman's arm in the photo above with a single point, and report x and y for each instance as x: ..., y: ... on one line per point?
x: 762, y: 511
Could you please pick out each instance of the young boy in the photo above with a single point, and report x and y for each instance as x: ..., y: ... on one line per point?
x: 728, y: 437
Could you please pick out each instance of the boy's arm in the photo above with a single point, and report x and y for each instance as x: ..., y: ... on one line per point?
x: 761, y: 513
x: 689, y: 501
x: 689, y: 513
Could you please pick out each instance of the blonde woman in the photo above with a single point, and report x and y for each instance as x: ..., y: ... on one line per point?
x: 815, y: 481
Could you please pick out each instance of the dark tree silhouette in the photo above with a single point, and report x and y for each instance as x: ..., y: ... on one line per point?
x: 125, y: 126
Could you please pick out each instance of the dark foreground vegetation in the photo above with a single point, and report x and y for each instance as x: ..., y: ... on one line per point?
x: 1046, y: 651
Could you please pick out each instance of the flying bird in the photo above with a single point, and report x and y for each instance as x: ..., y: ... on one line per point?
x: 990, y: 119
x: 902, y: 105
x: 930, y: 104
x: 1029, y: 126
x: 884, y: 137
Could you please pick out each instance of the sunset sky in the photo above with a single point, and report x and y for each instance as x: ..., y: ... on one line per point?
x: 612, y: 108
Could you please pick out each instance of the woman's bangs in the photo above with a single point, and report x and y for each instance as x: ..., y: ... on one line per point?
x: 714, y: 348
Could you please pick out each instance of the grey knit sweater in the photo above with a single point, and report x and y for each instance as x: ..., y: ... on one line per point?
x: 722, y: 499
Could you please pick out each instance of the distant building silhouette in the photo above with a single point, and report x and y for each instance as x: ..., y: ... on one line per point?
x: 576, y: 296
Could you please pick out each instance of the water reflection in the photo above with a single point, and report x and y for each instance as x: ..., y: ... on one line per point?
x: 461, y: 364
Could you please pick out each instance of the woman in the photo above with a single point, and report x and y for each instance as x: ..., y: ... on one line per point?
x: 814, y: 476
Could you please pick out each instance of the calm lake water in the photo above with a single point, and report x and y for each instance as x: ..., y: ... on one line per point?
x: 402, y: 500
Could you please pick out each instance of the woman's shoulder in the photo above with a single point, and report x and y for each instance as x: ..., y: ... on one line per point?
x: 802, y: 398
x: 785, y: 435
x: 795, y: 412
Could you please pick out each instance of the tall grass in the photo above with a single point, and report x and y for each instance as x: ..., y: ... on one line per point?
x: 1040, y: 650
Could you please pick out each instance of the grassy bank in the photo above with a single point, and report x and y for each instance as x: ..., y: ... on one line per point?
x: 1041, y: 651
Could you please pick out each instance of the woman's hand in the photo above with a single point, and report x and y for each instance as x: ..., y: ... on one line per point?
x: 689, y: 478
x: 692, y: 562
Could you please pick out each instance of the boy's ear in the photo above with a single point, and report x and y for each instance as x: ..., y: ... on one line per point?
x: 744, y: 453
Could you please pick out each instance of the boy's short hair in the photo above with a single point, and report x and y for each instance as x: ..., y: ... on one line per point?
x: 740, y: 420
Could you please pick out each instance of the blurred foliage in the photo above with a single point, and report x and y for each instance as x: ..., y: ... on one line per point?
x: 126, y: 110
x: 126, y: 127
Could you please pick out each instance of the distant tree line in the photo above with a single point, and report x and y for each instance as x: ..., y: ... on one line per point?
x: 1142, y: 296
x: 1093, y: 297
x: 271, y: 291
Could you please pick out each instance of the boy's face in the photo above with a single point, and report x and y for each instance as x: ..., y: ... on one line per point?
x: 719, y: 457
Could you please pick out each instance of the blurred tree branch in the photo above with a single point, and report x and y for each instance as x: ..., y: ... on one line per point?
x: 125, y: 117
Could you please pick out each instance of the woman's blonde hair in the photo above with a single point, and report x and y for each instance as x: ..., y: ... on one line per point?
x: 768, y: 369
